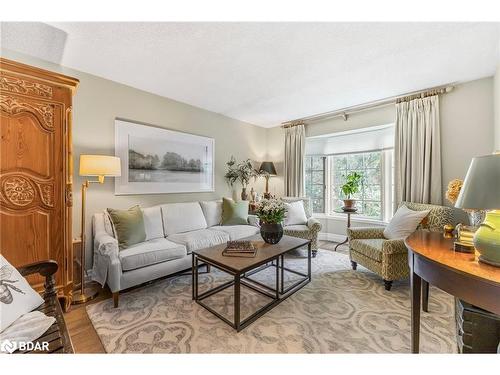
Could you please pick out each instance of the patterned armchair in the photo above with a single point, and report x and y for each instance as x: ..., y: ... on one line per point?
x: 389, y: 258
x: 310, y: 230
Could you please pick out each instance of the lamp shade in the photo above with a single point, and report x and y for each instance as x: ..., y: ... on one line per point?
x: 268, y: 166
x: 481, y: 188
x: 99, y: 165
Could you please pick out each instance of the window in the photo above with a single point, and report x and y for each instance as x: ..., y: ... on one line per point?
x: 315, y: 181
x: 368, y: 164
x: 371, y: 155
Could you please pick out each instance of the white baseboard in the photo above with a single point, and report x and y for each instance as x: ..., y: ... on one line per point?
x: 323, y: 236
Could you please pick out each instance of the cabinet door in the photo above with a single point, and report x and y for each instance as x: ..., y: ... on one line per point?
x: 31, y: 182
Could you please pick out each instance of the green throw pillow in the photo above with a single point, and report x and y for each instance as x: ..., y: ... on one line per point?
x: 234, y: 213
x: 129, y: 226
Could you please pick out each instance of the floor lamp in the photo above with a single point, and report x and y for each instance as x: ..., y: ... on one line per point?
x: 99, y: 166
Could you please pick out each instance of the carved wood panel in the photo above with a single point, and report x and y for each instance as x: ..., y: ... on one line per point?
x: 34, y: 145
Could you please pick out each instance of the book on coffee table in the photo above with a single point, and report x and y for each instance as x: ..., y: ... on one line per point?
x: 239, y: 249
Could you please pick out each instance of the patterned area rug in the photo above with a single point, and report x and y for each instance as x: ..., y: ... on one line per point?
x: 340, y: 311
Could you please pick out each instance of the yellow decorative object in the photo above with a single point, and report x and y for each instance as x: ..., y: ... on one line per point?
x: 454, y: 187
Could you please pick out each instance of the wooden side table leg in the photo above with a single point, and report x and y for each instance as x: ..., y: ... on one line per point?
x: 425, y: 296
x: 416, y: 286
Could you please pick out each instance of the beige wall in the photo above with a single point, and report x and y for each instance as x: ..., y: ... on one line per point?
x: 466, y: 131
x: 496, y: 97
x: 96, y: 104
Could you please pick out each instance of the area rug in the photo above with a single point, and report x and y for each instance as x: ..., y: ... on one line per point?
x: 340, y: 311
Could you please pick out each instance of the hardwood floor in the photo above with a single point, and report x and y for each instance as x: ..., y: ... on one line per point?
x: 82, y: 332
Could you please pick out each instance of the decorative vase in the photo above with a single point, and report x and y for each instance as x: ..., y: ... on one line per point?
x: 349, y: 205
x: 244, y: 194
x: 487, y: 239
x: 271, y: 233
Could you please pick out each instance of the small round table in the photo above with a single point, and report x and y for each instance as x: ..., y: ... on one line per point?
x: 348, y: 213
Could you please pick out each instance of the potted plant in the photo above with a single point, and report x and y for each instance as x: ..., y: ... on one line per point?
x: 241, y: 172
x: 351, y: 187
x: 271, y: 213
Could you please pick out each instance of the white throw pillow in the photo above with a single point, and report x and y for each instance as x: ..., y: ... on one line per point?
x: 17, y: 297
x: 27, y: 328
x: 153, y: 223
x: 295, y: 214
x: 403, y: 223
x: 212, y: 211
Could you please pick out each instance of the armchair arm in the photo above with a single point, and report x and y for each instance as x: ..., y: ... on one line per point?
x: 394, y: 247
x: 46, y: 268
x: 253, y: 220
x: 364, y: 233
x: 314, y: 224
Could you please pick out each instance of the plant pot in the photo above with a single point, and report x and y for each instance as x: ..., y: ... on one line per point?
x: 244, y: 194
x: 349, y: 205
x: 271, y: 233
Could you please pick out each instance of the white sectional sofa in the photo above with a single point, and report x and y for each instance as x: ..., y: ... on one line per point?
x: 173, y: 231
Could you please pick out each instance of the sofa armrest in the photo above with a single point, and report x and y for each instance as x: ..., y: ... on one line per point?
x: 394, y: 247
x: 314, y: 224
x: 106, y: 245
x: 253, y: 220
x: 364, y: 233
x: 107, y: 265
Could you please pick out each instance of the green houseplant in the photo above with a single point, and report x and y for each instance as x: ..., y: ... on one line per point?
x: 351, y: 187
x: 271, y: 213
x: 240, y: 172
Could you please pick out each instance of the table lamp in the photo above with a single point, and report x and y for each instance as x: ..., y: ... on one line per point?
x: 481, y: 191
x: 99, y: 166
x: 268, y: 168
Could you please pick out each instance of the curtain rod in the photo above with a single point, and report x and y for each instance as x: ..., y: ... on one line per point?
x: 344, y: 112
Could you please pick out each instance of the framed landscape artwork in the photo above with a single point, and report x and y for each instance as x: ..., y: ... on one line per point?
x: 156, y: 160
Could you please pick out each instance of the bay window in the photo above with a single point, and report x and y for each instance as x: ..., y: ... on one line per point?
x: 326, y: 171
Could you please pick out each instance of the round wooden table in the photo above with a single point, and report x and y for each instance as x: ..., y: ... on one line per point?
x: 432, y: 260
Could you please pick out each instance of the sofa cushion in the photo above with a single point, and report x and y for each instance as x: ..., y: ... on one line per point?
x: 128, y: 226
x: 150, y: 252
x: 212, y: 211
x: 153, y: 223
x: 182, y: 217
x: 234, y: 213
x: 372, y: 248
x: 199, y: 239
x: 235, y: 232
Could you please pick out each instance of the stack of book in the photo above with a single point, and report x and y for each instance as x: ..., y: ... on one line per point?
x: 465, y: 239
x: 244, y: 249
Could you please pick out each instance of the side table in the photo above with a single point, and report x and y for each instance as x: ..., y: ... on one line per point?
x: 348, y: 213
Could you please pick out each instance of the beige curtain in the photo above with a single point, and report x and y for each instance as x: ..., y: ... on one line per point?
x: 295, y: 139
x: 417, y: 151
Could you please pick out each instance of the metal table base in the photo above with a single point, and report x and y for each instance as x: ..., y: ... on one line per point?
x: 276, y: 294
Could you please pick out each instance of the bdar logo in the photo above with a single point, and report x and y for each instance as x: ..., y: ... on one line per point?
x: 7, y: 346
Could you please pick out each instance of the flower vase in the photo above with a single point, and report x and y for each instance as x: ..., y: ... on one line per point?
x: 271, y: 233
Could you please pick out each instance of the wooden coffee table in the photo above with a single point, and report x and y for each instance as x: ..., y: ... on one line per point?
x: 242, y: 268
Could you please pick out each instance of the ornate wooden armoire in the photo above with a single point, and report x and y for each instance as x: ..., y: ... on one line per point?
x: 36, y: 170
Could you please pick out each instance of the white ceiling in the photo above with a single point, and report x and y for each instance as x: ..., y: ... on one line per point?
x: 267, y: 73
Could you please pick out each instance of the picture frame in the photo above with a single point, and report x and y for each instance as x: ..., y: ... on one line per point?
x: 155, y: 160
